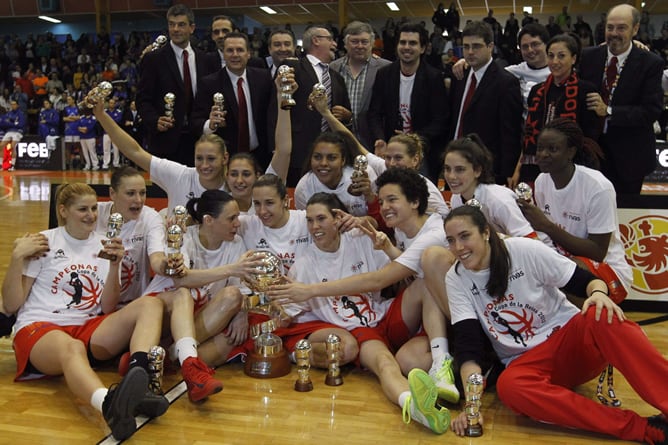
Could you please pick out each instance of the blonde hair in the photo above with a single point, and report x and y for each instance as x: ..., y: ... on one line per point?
x: 219, y: 142
x: 67, y: 193
x: 413, y: 143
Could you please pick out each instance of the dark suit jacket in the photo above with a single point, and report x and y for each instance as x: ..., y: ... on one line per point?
x: 160, y: 75
x: 495, y: 114
x: 362, y: 130
x: 630, y: 143
x: 135, y: 128
x: 306, y: 123
x: 263, y: 102
x: 429, y: 110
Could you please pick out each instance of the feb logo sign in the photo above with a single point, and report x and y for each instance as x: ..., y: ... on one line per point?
x: 645, y: 241
x: 32, y: 153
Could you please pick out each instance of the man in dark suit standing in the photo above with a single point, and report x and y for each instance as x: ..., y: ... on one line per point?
x: 487, y: 101
x: 409, y: 96
x: 221, y: 25
x: 281, y: 44
x: 247, y: 121
x: 358, y: 69
x: 133, y: 123
x: 175, y: 68
x: 319, y: 47
x: 631, y: 100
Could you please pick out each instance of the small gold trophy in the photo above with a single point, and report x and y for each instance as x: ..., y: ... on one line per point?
x: 333, y: 348
x: 523, y: 191
x: 474, y: 387
x: 156, y: 359
x: 287, y: 102
x: 97, y: 94
x: 113, y: 231
x: 219, y: 104
x: 169, y: 104
x: 303, y: 359
x: 158, y: 43
x: 173, y: 251
x: 268, y: 359
x: 474, y: 203
x: 359, y: 169
x: 181, y: 217
x: 318, y: 91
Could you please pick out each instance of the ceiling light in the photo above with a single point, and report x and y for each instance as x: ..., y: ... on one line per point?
x: 393, y: 6
x: 268, y: 10
x: 49, y: 19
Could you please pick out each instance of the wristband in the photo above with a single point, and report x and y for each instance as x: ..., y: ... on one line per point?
x: 599, y: 290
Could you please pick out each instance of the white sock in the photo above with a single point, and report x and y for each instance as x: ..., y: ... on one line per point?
x: 402, y: 398
x: 185, y: 347
x: 98, y: 397
x: 439, y: 349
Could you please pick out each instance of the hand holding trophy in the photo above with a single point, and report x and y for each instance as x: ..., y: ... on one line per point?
x: 158, y: 43
x: 217, y: 116
x: 97, y: 94
x: 113, y: 231
x: 319, y: 91
x: 268, y: 359
x: 474, y: 387
x: 287, y: 102
x: 169, y: 100
x: 359, y: 170
x: 523, y: 191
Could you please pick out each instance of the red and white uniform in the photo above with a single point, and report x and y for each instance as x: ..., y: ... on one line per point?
x: 588, y: 204
x: 431, y: 234
x: 355, y: 256
x: 71, y: 275
x: 288, y: 242
x: 141, y: 238
x: 196, y: 256
x: 309, y: 185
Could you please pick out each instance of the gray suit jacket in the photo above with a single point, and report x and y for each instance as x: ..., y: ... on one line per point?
x: 361, y: 121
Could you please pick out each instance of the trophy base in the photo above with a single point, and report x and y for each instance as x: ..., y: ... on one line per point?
x: 288, y: 104
x: 333, y: 380
x: 303, y: 386
x: 473, y: 430
x: 106, y: 256
x: 269, y: 366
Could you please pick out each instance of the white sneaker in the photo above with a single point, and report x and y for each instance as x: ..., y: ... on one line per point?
x: 95, y: 168
x: 444, y: 378
x: 86, y: 168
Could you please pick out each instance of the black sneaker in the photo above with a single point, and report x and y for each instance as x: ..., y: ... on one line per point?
x: 657, y: 430
x: 152, y: 405
x: 121, y: 402
x: 6, y: 324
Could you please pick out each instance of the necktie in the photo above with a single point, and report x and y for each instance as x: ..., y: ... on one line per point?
x: 243, y: 141
x: 327, y: 83
x: 467, y: 102
x: 187, y: 82
x: 610, y: 76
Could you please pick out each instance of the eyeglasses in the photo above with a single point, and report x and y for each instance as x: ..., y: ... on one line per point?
x: 532, y: 45
x: 325, y: 37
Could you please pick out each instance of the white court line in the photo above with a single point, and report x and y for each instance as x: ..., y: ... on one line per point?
x: 177, y: 391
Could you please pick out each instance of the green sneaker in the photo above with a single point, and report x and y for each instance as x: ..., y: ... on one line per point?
x: 444, y: 378
x: 422, y: 404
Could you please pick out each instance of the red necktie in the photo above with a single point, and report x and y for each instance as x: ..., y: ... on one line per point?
x: 610, y: 76
x: 467, y: 101
x: 187, y: 82
x: 243, y: 142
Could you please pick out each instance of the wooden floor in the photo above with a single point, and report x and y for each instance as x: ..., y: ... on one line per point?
x: 248, y: 411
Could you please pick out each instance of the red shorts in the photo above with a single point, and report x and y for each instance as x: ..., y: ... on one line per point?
x: 28, y: 336
x: 391, y: 330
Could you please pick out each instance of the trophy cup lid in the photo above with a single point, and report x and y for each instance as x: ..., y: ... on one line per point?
x: 523, y: 191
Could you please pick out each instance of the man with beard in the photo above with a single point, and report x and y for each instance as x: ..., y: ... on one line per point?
x: 631, y: 99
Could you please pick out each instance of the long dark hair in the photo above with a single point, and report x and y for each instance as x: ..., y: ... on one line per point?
x: 587, y: 151
x: 499, y: 264
x: 210, y: 203
x: 329, y: 200
x: 474, y: 150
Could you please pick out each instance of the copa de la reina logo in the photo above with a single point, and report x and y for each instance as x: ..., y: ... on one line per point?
x: 645, y: 241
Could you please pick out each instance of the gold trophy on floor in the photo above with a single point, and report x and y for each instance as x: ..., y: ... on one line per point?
x: 268, y: 359
x: 474, y: 387
x: 333, y: 348
x: 303, y: 359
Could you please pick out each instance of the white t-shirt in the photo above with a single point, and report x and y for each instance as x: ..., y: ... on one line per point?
x: 500, y: 208
x: 587, y: 204
x: 141, y: 238
x: 309, y: 184
x: 197, y: 257
x: 405, y: 91
x: 528, y: 77
x: 355, y: 256
x: 435, y: 203
x: 71, y: 275
x: 431, y: 234
x: 533, y: 307
x: 179, y: 182
x: 288, y: 242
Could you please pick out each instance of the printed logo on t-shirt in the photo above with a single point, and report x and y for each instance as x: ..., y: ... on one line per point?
x: 572, y: 216
x: 81, y: 285
x: 546, y: 209
x: 262, y: 244
x: 354, y: 308
x: 60, y: 254
x: 357, y: 266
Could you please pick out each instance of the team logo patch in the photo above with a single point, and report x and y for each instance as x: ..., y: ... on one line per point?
x: 645, y: 241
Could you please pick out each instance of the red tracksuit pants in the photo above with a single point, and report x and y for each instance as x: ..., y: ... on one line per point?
x: 538, y: 383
